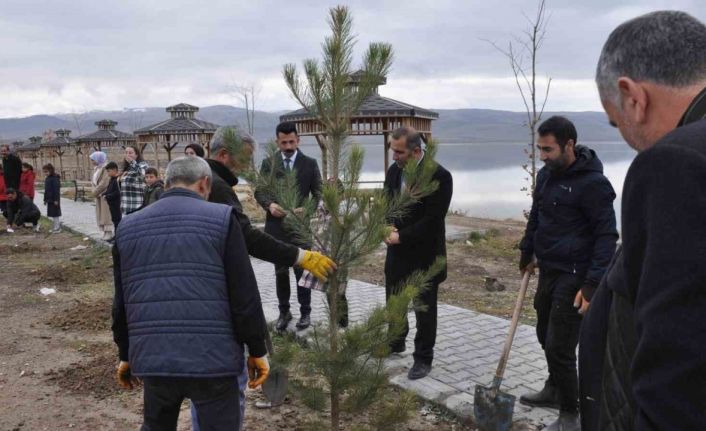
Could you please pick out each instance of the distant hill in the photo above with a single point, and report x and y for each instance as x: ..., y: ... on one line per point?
x: 454, y: 125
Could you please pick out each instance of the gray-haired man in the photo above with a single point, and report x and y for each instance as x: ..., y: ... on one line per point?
x: 643, y: 344
x: 186, y: 300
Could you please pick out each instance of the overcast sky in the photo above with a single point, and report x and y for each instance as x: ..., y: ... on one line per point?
x: 77, y: 55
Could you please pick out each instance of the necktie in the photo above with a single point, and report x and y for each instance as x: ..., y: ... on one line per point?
x: 287, y: 164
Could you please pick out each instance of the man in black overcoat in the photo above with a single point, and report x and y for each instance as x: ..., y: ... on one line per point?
x: 417, y: 239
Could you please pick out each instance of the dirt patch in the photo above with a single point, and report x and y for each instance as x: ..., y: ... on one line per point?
x: 92, y: 267
x: 95, y: 377
x: 84, y: 316
x: 19, y: 248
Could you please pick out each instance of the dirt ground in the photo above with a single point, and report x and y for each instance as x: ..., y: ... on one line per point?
x: 57, y: 357
x: 489, y: 251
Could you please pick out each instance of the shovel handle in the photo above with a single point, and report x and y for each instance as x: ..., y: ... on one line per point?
x: 511, y: 334
x: 268, y: 342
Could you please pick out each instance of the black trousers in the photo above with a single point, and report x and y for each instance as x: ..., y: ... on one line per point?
x: 558, y: 325
x: 215, y: 398
x: 283, y: 290
x: 425, y: 339
x: 29, y: 218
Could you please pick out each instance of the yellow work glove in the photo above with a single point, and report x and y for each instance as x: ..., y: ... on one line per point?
x: 125, y: 378
x: 258, y: 370
x: 318, y: 264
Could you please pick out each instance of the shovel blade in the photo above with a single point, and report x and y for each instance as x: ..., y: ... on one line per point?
x: 275, y: 387
x: 493, y: 409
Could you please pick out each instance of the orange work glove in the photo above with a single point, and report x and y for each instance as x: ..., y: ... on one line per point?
x: 125, y: 378
x: 258, y: 370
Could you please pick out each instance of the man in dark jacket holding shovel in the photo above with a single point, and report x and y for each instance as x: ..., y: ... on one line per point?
x: 570, y: 236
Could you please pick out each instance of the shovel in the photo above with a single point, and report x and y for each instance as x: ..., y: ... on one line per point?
x: 275, y: 386
x: 492, y: 407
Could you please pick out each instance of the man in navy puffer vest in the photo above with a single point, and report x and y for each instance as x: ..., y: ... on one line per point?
x: 186, y: 300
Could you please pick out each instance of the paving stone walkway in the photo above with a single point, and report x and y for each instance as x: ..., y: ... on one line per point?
x: 467, y: 348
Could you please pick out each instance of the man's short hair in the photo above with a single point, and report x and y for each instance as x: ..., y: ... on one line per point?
x: 218, y: 141
x: 286, y: 127
x: 186, y: 171
x: 561, y: 128
x: 664, y: 47
x: 413, y: 139
x: 111, y: 166
x: 152, y: 171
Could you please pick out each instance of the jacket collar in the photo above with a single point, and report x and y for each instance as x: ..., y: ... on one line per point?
x: 222, y: 171
x: 178, y: 191
x: 696, y: 110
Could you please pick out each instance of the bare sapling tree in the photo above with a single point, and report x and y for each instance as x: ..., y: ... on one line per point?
x: 522, y: 54
x: 248, y: 94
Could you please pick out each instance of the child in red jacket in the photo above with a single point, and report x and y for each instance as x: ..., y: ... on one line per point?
x: 27, y: 180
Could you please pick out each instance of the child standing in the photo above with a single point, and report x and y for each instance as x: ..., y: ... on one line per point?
x: 112, y: 194
x: 154, y: 187
x: 27, y: 180
x: 52, y: 196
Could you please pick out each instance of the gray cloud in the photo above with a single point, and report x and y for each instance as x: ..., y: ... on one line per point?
x: 73, y: 55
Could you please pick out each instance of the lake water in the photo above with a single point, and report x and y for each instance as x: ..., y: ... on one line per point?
x: 488, y: 177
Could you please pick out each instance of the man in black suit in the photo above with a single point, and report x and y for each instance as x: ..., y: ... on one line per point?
x: 288, y: 158
x: 414, y: 244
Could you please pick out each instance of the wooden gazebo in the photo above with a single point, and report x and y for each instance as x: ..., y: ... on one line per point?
x: 182, y: 128
x: 106, y: 139
x: 58, y: 147
x: 31, y: 150
x: 377, y: 115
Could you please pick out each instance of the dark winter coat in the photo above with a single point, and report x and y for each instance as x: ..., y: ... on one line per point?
x: 259, y: 244
x: 572, y: 227
x: 152, y: 193
x: 308, y: 181
x: 52, y: 195
x: 22, y: 209
x: 422, y: 230
x: 27, y: 183
x: 656, y: 315
x: 12, y: 166
x: 112, y: 198
x: 185, y: 314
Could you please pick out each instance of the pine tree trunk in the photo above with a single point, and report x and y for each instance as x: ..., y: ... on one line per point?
x: 324, y: 156
x: 333, y: 330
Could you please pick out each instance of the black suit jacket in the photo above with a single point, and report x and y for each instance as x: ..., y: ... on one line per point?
x: 422, y: 230
x: 308, y: 180
x: 259, y: 244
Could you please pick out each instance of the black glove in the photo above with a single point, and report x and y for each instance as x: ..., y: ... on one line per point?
x: 525, y: 259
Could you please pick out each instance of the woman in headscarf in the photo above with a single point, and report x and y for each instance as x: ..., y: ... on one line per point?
x: 100, y: 181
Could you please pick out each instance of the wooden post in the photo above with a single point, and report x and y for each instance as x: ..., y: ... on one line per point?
x: 386, y: 146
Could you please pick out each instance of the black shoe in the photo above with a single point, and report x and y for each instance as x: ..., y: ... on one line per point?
x: 304, y: 321
x: 566, y: 422
x: 283, y: 321
x: 418, y: 370
x: 399, y: 348
x: 547, y: 397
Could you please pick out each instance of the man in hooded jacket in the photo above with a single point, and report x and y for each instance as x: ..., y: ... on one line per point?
x: 571, y: 235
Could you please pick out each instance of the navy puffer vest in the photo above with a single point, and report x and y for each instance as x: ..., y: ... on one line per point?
x: 175, y: 291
